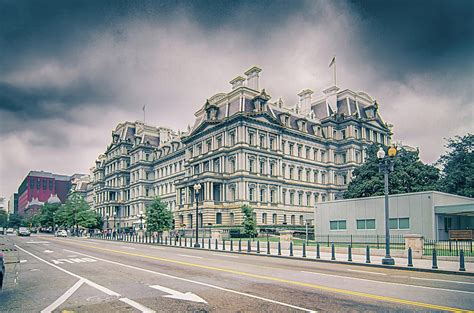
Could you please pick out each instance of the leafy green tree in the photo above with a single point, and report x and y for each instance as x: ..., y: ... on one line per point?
x: 409, y: 175
x: 14, y: 220
x: 46, y: 217
x: 249, y: 223
x: 457, y: 175
x: 76, y: 212
x: 158, y: 217
x: 3, y: 219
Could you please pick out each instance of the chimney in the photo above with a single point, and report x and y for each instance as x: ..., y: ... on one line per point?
x: 252, y: 78
x: 237, y: 82
x: 305, y: 100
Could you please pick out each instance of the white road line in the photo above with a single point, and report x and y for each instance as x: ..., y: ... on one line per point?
x: 85, y: 280
x: 367, y: 272
x: 38, y: 242
x: 224, y: 255
x: 191, y: 256
x: 195, y: 282
x: 48, y: 251
x: 442, y: 280
x: 389, y: 283
x: 23, y: 261
x: 136, y: 305
x: 126, y: 247
x: 63, y: 297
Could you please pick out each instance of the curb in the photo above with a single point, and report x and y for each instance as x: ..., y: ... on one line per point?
x: 308, y: 259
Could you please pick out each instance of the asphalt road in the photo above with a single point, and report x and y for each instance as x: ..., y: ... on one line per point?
x: 87, y: 275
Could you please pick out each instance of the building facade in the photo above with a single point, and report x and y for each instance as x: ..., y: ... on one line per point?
x: 431, y: 214
x: 242, y: 149
x: 38, y: 187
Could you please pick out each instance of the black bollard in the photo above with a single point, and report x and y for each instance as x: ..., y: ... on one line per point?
x: 367, y: 254
x: 223, y: 245
x: 410, y: 257
x: 258, y: 246
x: 191, y: 242
x: 249, y: 247
x: 166, y: 240
x: 268, y: 247
x: 202, y: 242
x: 318, y: 252
x: 209, y: 243
x: 180, y: 241
x: 279, y: 248
x: 462, y: 266
x: 435, y: 260
x: 304, y: 250
x: 291, y: 248
x: 333, y: 252
x: 185, y: 241
x: 215, y: 244
x: 240, y: 245
x: 231, y: 245
x: 349, y: 253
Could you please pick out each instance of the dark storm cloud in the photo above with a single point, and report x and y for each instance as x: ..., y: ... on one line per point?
x: 406, y: 37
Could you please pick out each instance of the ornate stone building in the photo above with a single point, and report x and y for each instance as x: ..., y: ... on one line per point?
x: 242, y: 149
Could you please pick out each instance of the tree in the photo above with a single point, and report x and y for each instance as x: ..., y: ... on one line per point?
x: 14, y: 220
x: 457, y: 175
x: 409, y: 175
x: 249, y: 223
x: 76, y: 212
x: 3, y: 219
x: 46, y: 216
x: 158, y: 217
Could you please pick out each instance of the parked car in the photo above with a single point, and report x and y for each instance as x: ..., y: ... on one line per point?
x: 23, y: 231
x: 2, y: 270
x: 61, y: 233
x: 10, y: 231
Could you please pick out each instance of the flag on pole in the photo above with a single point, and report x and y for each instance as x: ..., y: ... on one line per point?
x: 332, y: 61
x: 143, y: 109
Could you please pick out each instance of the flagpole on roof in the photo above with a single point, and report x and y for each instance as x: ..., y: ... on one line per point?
x: 144, y: 110
x: 333, y: 62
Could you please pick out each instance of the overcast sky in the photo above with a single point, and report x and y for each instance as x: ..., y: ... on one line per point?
x: 71, y: 70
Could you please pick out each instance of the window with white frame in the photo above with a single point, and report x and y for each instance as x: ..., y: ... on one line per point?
x: 365, y: 224
x: 337, y: 225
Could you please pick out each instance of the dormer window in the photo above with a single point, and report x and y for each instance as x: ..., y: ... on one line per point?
x: 211, y: 111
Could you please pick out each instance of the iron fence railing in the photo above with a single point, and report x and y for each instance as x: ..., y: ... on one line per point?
x: 448, y: 247
x: 373, y: 241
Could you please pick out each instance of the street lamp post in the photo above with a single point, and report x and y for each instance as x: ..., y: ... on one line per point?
x: 107, y: 217
x: 196, y: 188
x: 140, y: 216
x: 385, y: 167
x: 115, y: 223
x: 54, y: 223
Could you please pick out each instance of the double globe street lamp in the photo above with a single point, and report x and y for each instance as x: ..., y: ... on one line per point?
x: 140, y: 216
x: 385, y: 167
x: 196, y: 188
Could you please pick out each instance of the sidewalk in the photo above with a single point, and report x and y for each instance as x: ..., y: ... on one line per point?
x: 443, y: 265
x: 423, y: 264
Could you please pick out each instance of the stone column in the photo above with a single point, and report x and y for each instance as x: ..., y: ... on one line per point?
x: 286, y: 236
x: 415, y: 242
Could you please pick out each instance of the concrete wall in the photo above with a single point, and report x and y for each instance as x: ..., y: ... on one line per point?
x: 417, y: 207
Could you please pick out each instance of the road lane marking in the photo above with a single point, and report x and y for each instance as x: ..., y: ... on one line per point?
x: 90, y: 283
x: 137, y: 305
x: 291, y: 282
x: 390, y: 283
x: 175, y: 294
x: 191, y: 256
x: 48, y: 251
x: 63, y: 297
x: 46, y: 242
x: 195, y: 282
x: 225, y: 256
x: 366, y: 272
x: 442, y: 280
x: 126, y: 247
x: 23, y: 261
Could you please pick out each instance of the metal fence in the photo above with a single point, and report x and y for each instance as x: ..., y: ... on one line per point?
x: 448, y: 247
x: 361, y: 241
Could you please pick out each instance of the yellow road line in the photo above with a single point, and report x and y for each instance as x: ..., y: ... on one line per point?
x: 281, y: 280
